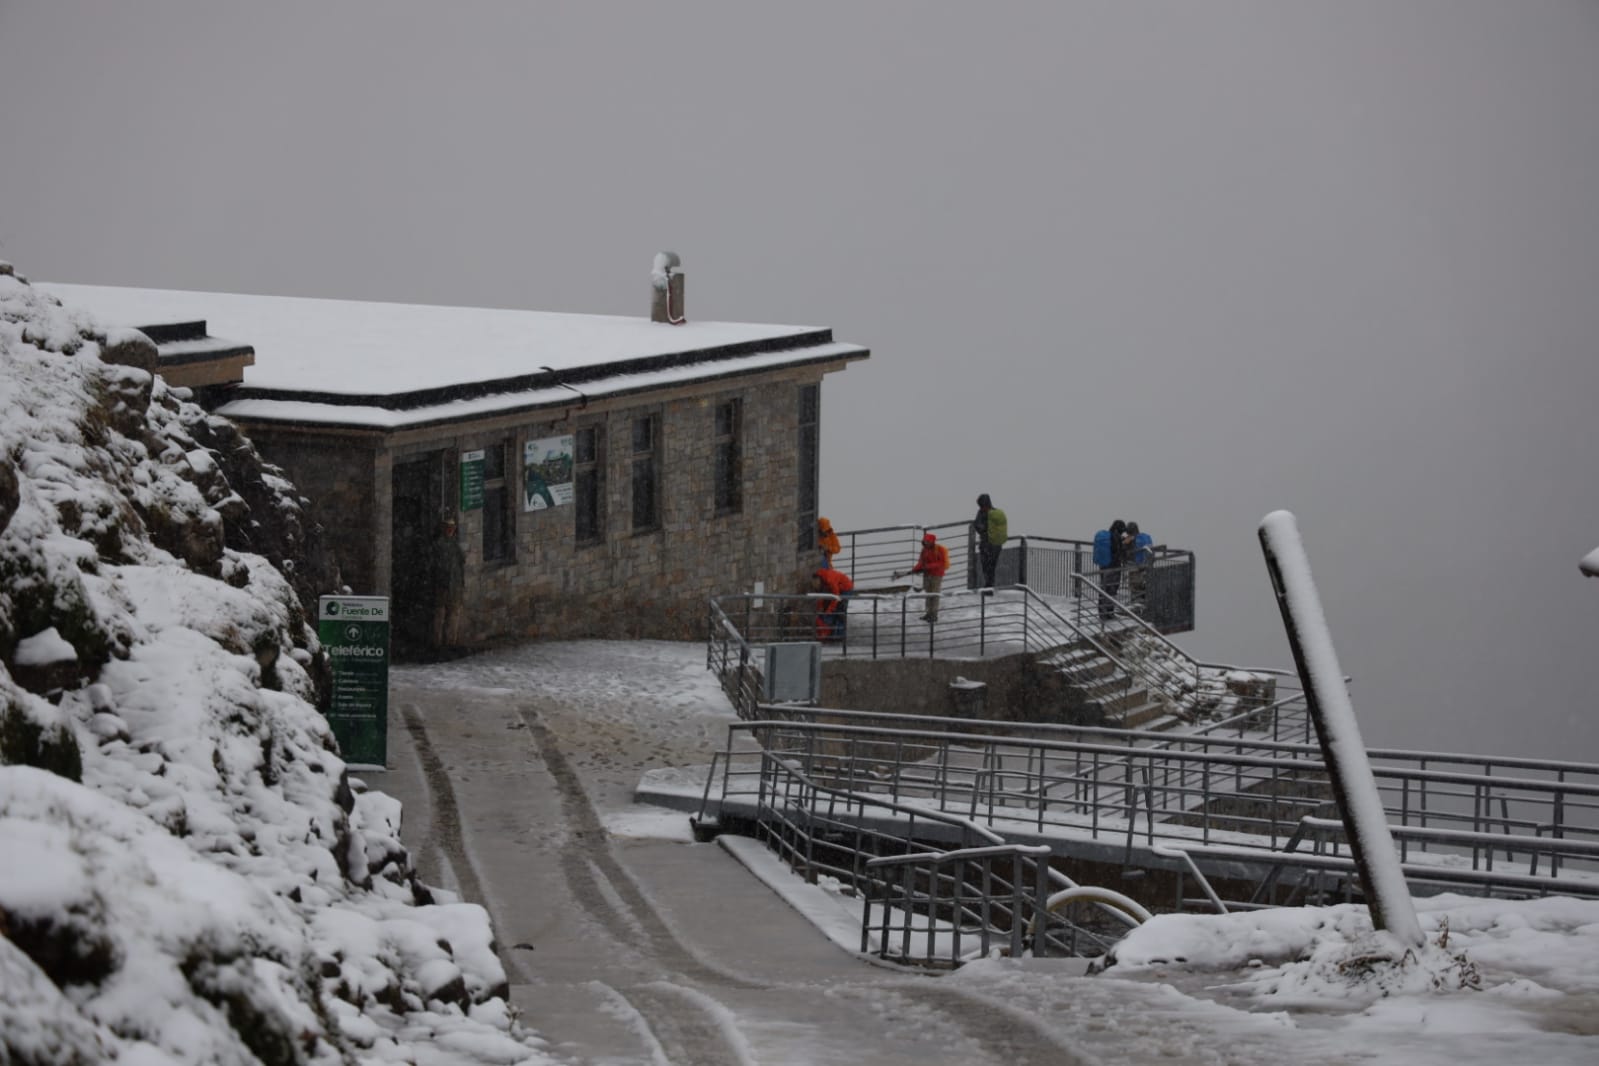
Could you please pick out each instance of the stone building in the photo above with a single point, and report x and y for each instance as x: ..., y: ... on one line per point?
x: 608, y: 474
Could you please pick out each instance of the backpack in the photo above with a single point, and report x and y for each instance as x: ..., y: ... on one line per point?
x: 1102, y: 553
x: 943, y: 560
x: 996, y: 526
x: 1141, y: 545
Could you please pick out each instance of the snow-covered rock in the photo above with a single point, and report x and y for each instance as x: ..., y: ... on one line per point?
x: 188, y: 876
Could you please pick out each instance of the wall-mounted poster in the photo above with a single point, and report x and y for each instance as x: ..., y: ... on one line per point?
x: 547, y: 473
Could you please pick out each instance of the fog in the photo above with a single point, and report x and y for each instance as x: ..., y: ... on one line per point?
x: 1178, y: 263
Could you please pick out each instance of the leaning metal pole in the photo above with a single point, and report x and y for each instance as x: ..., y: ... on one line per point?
x: 1354, y: 785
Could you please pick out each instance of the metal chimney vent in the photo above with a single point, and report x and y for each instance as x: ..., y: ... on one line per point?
x: 666, y: 288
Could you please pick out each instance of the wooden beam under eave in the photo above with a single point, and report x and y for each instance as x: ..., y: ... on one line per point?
x: 228, y: 370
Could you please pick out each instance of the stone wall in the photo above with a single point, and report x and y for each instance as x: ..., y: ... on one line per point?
x: 1014, y: 689
x: 335, y: 474
x: 630, y: 584
x: 652, y: 583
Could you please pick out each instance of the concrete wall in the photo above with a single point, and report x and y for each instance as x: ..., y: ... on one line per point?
x: 1017, y: 689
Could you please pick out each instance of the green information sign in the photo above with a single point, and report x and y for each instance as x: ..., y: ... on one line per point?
x: 472, y: 480
x: 354, y: 630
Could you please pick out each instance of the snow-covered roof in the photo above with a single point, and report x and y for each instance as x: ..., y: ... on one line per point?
x: 365, y: 363
x: 374, y: 416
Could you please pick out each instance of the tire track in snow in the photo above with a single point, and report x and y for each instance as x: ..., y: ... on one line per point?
x: 593, y: 873
x: 444, y: 830
x: 690, y: 1027
x: 1012, y: 1036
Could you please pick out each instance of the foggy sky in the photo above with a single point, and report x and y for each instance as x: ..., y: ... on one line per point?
x: 1179, y: 263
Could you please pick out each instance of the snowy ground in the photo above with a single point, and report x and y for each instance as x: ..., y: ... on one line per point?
x: 1507, y: 980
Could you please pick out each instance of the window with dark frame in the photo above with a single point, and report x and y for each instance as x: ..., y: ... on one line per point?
x: 810, y: 421
x: 646, y: 473
x: 729, y: 470
x: 588, y: 483
x: 499, y: 510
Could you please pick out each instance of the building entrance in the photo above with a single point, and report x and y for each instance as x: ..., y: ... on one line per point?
x: 417, y: 488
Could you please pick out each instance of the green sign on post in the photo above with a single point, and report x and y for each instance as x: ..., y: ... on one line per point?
x: 472, y: 480
x: 354, y: 630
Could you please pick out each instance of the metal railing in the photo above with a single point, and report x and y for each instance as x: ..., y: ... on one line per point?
x: 923, y: 903
x: 1117, y: 659
x: 1051, y: 566
x: 940, y: 899
x: 1498, y: 825
x: 973, y: 625
x: 731, y: 658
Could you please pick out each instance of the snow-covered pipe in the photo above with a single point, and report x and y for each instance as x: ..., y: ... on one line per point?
x: 666, y: 281
x: 1354, y: 785
x: 1132, y: 911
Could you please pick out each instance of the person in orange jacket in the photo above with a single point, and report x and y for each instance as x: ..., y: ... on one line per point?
x: 932, y: 564
x: 827, y: 540
x: 830, y: 612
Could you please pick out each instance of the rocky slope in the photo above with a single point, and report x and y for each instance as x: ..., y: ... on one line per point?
x: 188, y: 875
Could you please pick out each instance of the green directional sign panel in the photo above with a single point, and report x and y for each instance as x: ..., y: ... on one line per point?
x: 472, y: 480
x: 354, y: 631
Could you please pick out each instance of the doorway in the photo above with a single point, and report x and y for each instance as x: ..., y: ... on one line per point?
x: 417, y: 493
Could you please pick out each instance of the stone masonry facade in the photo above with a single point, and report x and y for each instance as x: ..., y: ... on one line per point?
x: 335, y: 473
x: 652, y: 583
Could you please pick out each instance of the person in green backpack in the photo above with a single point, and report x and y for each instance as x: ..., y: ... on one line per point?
x: 990, y: 527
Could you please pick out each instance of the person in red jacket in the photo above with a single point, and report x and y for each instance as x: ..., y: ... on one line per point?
x: 830, y: 612
x: 932, y: 564
x: 827, y: 540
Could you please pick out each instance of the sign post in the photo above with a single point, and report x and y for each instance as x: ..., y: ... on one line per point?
x: 354, y: 631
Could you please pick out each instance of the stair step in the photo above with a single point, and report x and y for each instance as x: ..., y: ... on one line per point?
x: 1108, y: 686
x: 1113, y: 706
x: 1090, y: 673
x: 1068, y: 657
x: 1142, y: 717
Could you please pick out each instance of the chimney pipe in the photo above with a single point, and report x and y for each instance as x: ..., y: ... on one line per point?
x: 666, y: 287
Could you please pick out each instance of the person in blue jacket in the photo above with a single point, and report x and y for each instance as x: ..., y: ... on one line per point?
x: 1110, y: 574
x: 1138, y: 558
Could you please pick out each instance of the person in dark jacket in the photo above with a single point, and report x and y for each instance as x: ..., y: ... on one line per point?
x: 1110, y: 579
x: 449, y: 583
x: 988, y: 545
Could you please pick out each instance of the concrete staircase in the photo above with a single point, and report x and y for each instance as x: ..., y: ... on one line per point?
x: 1095, y: 690
x: 1132, y: 678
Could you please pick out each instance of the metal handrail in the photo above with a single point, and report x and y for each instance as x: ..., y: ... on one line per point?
x: 1123, y: 736
x: 996, y: 846
x: 1080, y: 635
x: 991, y: 788
x: 1130, y: 616
x: 1121, y: 751
x: 873, y: 553
x: 860, y: 799
x: 1039, y: 629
